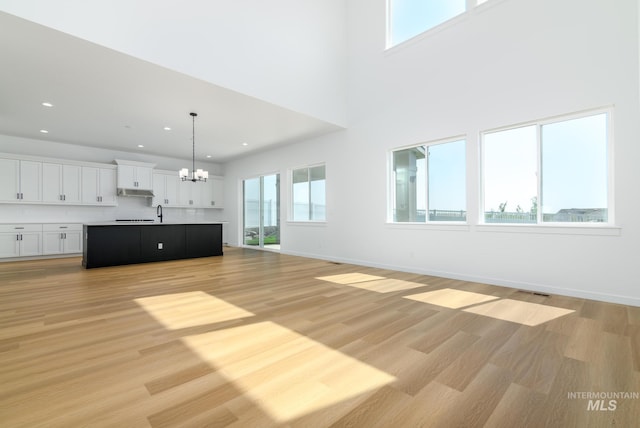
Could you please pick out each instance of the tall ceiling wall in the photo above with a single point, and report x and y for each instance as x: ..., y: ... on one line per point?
x: 288, y: 52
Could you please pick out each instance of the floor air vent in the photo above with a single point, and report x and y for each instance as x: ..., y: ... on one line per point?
x: 535, y: 293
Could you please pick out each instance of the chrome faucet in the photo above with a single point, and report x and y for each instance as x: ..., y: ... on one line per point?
x: 159, y: 212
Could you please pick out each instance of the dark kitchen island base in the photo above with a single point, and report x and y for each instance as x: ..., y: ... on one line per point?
x: 107, y: 244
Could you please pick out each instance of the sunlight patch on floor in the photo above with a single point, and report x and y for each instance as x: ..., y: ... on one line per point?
x: 350, y: 278
x: 183, y: 310
x: 387, y: 285
x: 526, y: 313
x: 450, y: 298
x: 285, y: 373
x: 379, y: 284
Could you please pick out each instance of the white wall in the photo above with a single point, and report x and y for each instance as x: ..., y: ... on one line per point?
x: 128, y: 207
x: 507, y: 62
x: 287, y: 52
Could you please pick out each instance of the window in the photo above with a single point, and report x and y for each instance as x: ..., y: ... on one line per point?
x: 408, y: 18
x: 572, y: 186
x: 309, y: 197
x: 429, y: 183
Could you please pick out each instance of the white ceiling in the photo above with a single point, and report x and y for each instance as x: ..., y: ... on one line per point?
x: 106, y: 99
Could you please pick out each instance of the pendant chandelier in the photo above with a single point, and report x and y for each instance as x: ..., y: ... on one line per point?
x: 196, y: 174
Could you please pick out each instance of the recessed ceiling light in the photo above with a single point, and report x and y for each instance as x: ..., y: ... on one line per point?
x: 166, y: 128
x: 47, y: 104
x: 44, y: 131
x: 245, y: 144
x: 208, y: 156
x: 140, y: 145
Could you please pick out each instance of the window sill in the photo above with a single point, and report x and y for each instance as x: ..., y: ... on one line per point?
x: 451, y: 226
x: 555, y: 229
x: 307, y: 223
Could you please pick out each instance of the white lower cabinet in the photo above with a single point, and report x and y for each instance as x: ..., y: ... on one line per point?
x: 20, y: 240
x: 31, y: 239
x: 61, y: 238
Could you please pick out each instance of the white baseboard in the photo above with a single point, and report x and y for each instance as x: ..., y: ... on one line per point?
x: 520, y: 285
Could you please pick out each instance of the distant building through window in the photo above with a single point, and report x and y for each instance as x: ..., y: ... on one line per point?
x: 548, y: 172
x: 429, y: 183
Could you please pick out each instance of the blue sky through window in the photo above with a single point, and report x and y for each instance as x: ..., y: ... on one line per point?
x: 574, y: 166
x: 412, y: 17
x: 447, y: 177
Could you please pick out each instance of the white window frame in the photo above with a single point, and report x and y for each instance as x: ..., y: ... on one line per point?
x: 391, y: 186
x: 539, y: 225
x: 290, y: 193
x: 470, y: 7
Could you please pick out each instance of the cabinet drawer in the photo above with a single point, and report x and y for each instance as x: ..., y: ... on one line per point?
x: 61, y: 227
x: 21, y: 227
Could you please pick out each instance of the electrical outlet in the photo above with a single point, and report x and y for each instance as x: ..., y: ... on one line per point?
x: 159, y: 245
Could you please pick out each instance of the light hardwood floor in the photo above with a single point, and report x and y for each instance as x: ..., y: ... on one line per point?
x: 262, y: 339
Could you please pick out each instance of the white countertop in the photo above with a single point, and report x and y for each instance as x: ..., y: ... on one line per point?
x: 149, y: 223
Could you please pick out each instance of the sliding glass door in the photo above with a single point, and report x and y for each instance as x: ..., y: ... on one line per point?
x: 262, y: 211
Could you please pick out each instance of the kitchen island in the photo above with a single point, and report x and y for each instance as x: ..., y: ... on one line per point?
x: 122, y: 243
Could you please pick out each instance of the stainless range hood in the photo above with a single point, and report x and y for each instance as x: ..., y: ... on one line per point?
x: 136, y: 192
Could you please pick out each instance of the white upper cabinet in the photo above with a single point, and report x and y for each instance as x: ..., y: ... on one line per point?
x: 107, y: 186
x: 135, y: 175
x: 10, y: 179
x: 98, y: 186
x: 21, y: 180
x: 217, y: 187
x: 165, y: 189
x: 61, y: 183
x: 189, y: 194
x: 213, y: 193
x: 201, y: 194
x: 32, y: 180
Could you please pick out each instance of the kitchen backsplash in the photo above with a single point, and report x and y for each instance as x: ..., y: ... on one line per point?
x: 128, y: 208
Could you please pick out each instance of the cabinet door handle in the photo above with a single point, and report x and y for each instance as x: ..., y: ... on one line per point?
x: 64, y: 227
x: 64, y: 197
